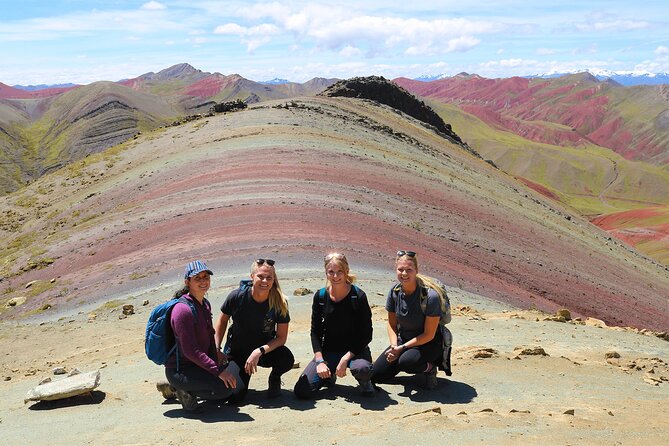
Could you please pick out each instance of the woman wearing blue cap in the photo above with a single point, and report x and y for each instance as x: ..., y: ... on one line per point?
x: 259, y: 330
x: 197, y: 373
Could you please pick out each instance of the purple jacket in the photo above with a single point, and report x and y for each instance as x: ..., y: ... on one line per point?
x: 195, y: 336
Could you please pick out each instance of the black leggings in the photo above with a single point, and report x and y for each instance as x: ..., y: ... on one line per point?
x: 201, y: 383
x: 309, y: 382
x: 413, y: 360
x: 279, y: 360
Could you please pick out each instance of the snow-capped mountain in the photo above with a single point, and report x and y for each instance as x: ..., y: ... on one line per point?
x: 626, y: 78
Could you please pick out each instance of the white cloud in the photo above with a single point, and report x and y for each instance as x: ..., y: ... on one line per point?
x: 661, y: 50
x: 230, y: 29
x: 153, y: 6
x: 546, y: 51
x: 350, y: 51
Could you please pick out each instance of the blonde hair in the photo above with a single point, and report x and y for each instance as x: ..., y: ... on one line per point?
x: 277, y: 300
x: 340, y: 260
x: 422, y: 280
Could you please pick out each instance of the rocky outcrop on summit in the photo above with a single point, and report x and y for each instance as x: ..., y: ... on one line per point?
x: 380, y: 89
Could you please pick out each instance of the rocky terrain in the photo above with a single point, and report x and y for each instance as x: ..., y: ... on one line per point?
x: 293, y: 180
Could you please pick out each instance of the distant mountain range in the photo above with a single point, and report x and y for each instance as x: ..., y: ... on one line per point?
x: 623, y: 78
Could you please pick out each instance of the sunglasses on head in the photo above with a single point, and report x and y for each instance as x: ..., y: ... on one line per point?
x: 406, y: 253
x: 334, y: 255
x: 270, y: 262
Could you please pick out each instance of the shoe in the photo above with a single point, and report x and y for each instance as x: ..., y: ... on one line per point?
x: 188, y: 400
x: 430, y: 378
x: 169, y: 392
x: 274, y: 389
x: 367, y: 388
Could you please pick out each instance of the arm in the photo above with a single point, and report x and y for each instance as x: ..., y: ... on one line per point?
x: 220, y: 327
x: 251, y: 365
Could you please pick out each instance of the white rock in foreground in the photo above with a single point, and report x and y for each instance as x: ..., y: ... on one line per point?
x: 64, y: 388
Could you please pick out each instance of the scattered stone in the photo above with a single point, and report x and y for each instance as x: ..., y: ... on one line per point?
x: 530, y: 351
x: 568, y: 412
x: 462, y: 413
x: 169, y: 392
x: 519, y: 411
x: 663, y: 335
x: 74, y: 371
x: 301, y: 291
x: 52, y: 280
x: 145, y: 303
x: 16, y: 301
x: 483, y: 353
x: 128, y: 309
x: 610, y: 413
x: 7, y: 378
x: 591, y: 321
x: 59, y: 371
x: 45, y: 307
x: 31, y: 283
x: 566, y: 314
x: 487, y: 410
x: 612, y: 354
x: 92, y: 317
x: 65, y: 388
x: 45, y: 380
x: 434, y: 409
x: 122, y: 316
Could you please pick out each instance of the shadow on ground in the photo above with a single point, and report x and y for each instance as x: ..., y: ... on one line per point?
x: 94, y: 397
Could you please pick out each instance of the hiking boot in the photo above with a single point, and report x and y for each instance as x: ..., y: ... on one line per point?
x: 188, y: 400
x: 430, y: 378
x: 169, y: 392
x: 367, y: 388
x: 274, y: 389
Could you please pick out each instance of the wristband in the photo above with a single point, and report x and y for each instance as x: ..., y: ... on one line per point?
x: 262, y: 350
x: 320, y: 361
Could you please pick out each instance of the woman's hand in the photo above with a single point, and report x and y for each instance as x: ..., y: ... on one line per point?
x: 251, y: 365
x: 227, y: 378
x: 342, y: 366
x: 322, y: 370
x: 393, y: 353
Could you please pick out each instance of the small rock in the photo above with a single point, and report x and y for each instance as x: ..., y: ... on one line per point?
x: 610, y: 413
x: 301, y: 291
x: 462, y: 413
x: 92, y: 317
x: 566, y: 314
x: 530, y: 351
x: 45, y: 307
x: 568, y: 412
x: 612, y: 354
x: 519, y: 411
x: 8, y: 378
x: 45, y: 380
x: 146, y: 302
x: 128, y: 309
x: 31, y: 283
x: 74, y: 371
x: 484, y: 353
x: 52, y: 280
x: 591, y: 321
x: 122, y: 316
x: 59, y: 371
x: 16, y: 301
x: 487, y: 410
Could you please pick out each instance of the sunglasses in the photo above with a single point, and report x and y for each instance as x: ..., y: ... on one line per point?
x: 406, y: 253
x: 334, y: 255
x: 270, y: 262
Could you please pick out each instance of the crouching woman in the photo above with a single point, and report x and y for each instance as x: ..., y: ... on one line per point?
x: 194, y: 370
x: 341, y: 330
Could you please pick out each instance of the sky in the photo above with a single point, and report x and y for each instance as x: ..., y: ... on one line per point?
x: 63, y: 41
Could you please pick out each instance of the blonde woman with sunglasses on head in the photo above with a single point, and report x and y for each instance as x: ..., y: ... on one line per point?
x: 341, y: 330
x: 259, y: 330
x: 413, y: 326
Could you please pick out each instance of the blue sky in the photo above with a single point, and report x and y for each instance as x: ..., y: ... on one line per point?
x: 61, y: 41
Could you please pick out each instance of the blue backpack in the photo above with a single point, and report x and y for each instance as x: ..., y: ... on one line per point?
x: 159, y: 341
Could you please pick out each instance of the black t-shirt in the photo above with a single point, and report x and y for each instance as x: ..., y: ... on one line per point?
x: 253, y: 323
x: 347, y: 326
x: 409, y: 313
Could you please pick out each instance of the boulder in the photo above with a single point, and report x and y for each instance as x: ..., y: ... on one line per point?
x: 64, y: 388
x: 16, y: 301
x: 302, y: 292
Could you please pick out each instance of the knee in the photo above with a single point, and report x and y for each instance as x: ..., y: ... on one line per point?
x: 362, y: 370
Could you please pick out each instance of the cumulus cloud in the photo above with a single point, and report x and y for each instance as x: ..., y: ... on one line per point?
x: 153, y: 6
x: 661, y: 50
x: 336, y: 29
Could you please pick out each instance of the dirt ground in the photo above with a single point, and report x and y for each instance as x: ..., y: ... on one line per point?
x: 571, y: 396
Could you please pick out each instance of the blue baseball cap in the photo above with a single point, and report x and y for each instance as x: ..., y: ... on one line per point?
x: 196, y: 267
